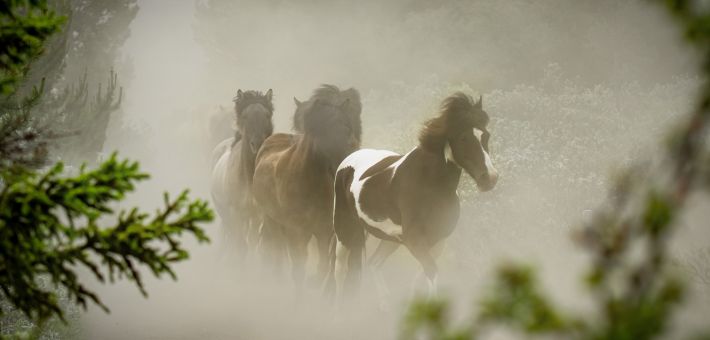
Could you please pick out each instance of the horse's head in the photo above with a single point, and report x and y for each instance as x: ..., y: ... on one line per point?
x: 469, y: 147
x: 332, y: 128
x: 254, y: 117
x: 333, y: 95
x: 462, y: 129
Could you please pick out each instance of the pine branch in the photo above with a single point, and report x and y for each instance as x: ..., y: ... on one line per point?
x: 29, y: 226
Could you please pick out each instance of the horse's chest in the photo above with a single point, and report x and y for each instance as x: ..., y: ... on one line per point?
x: 303, y: 203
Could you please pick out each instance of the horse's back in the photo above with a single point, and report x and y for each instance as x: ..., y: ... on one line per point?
x: 364, y: 159
x: 220, y: 150
x: 275, y: 146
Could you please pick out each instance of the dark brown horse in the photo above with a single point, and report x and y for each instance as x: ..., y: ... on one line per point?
x: 293, y: 181
x: 409, y: 200
x: 233, y: 173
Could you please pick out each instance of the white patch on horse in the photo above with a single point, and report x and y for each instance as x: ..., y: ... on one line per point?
x: 448, y: 154
x: 489, y: 164
x: 478, y: 133
x: 361, y: 161
x: 399, y: 162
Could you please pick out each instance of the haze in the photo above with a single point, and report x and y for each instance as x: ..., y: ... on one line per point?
x: 576, y: 91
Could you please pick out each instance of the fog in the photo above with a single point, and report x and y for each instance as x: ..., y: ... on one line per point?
x: 614, y: 76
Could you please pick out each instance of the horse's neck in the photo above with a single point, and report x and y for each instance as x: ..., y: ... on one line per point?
x: 311, y: 157
x: 247, y: 161
x: 440, y: 168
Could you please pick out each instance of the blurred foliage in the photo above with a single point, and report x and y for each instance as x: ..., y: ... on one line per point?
x: 70, y: 68
x: 634, y: 287
x: 696, y: 264
x: 94, y: 38
x: 95, y: 35
x: 51, y: 226
x: 83, y: 121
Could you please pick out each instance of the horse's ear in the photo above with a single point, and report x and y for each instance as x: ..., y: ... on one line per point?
x: 345, y: 105
x: 269, y: 95
x: 240, y: 95
x: 479, y: 104
x: 298, y: 104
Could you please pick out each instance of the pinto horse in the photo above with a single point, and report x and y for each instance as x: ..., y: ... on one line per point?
x: 293, y: 180
x: 408, y: 200
x: 231, y: 186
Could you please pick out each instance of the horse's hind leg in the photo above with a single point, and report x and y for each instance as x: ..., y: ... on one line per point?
x: 351, y: 239
x: 376, y: 261
x: 342, y: 253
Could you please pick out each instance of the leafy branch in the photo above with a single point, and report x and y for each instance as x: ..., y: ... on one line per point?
x: 35, y: 240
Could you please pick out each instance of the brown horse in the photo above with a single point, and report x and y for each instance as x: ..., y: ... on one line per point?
x: 233, y: 173
x: 410, y: 199
x: 293, y: 181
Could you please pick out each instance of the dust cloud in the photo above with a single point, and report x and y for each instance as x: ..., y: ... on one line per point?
x: 601, y: 69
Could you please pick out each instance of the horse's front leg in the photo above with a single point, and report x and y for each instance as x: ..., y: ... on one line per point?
x: 426, y: 255
x: 383, y: 251
x: 297, y: 242
x: 239, y: 241
x: 323, y: 240
x: 271, y: 247
x: 253, y: 230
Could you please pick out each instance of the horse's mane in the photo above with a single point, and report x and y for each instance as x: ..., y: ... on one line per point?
x: 332, y: 95
x: 248, y: 98
x: 458, y: 112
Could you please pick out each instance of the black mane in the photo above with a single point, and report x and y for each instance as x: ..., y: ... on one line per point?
x: 457, y: 112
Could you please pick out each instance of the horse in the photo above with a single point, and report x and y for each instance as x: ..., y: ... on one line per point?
x: 293, y: 180
x: 408, y: 200
x: 231, y: 186
x: 219, y: 125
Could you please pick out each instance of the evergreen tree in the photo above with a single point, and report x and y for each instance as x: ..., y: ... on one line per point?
x: 50, y: 224
x: 82, y: 92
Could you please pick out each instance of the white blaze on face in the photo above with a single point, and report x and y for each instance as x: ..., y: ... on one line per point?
x: 489, y: 165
